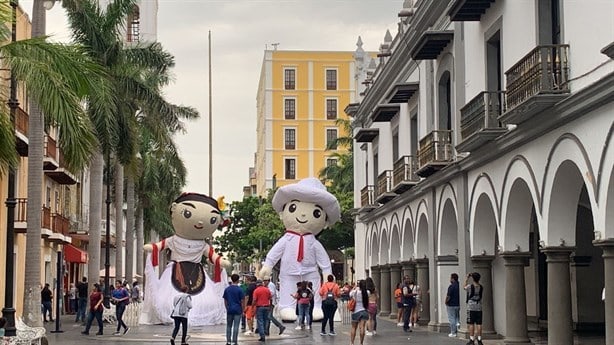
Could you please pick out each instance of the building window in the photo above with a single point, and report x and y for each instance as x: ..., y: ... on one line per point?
x: 289, y: 108
x: 290, y: 138
x: 331, y: 109
x: 331, y: 79
x: 289, y: 79
x: 290, y: 169
x: 331, y: 138
x: 331, y: 162
x: 134, y: 25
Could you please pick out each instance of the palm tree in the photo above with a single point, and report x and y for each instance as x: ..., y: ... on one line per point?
x: 128, y: 69
x: 58, y: 77
x: 340, y: 176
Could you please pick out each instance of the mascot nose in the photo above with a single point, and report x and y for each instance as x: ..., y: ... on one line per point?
x: 200, y: 223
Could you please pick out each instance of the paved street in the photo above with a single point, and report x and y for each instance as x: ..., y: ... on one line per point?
x: 388, y: 333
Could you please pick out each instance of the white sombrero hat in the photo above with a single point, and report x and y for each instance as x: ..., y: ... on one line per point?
x: 308, y: 190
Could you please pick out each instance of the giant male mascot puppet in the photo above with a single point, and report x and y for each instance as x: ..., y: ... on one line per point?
x: 195, y: 217
x: 305, y: 209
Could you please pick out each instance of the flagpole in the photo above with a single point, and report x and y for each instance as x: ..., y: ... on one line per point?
x: 210, y: 126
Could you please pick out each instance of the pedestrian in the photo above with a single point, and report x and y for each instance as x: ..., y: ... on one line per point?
x: 311, y: 303
x: 182, y: 304
x: 273, y: 289
x: 372, y: 308
x: 303, y: 297
x: 453, y: 304
x: 262, y: 302
x: 474, y: 307
x: 243, y: 286
x: 398, y: 293
x: 120, y: 298
x: 408, y: 302
x: 345, y: 292
x: 234, y: 301
x: 250, y: 308
x: 330, y: 292
x: 81, y: 299
x: 72, y: 299
x: 360, y: 314
x: 46, y: 298
x: 417, y: 309
x: 96, y: 308
x: 135, y: 294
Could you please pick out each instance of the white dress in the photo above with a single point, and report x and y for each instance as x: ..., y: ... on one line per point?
x: 208, y: 305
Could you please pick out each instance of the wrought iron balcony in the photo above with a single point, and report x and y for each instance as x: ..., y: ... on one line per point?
x: 384, y: 187
x: 21, y: 132
x: 435, y: 152
x: 404, y: 174
x: 21, y: 218
x: 61, y: 174
x: 538, y: 81
x: 480, y: 120
x: 367, y: 198
x: 50, y: 159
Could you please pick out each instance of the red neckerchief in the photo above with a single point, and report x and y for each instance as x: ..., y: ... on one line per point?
x: 300, y: 255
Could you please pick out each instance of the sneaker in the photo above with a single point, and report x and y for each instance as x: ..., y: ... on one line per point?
x: 282, y: 329
x: 298, y: 328
x: 332, y: 334
x: 308, y: 327
x: 99, y: 333
x: 480, y: 342
x: 248, y: 333
x: 85, y: 333
x: 452, y: 335
x: 470, y: 342
x: 126, y: 330
x: 322, y: 333
x: 400, y: 324
x: 116, y: 333
x: 374, y: 332
x: 369, y: 333
x: 172, y: 341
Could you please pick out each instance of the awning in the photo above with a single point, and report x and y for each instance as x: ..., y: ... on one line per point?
x: 74, y: 254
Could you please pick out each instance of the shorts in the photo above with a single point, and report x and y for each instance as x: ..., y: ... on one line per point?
x: 372, y: 308
x: 250, y: 312
x: 399, y: 305
x: 474, y: 317
x: 360, y: 315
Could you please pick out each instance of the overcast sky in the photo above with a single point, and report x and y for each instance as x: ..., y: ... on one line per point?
x: 241, y: 30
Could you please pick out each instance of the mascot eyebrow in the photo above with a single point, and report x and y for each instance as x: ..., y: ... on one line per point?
x: 188, y: 204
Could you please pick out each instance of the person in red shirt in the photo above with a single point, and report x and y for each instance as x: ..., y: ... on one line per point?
x: 262, y: 301
x: 329, y: 292
x: 96, y: 309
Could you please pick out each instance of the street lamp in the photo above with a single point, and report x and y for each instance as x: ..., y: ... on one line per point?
x: 107, y: 245
x: 8, y: 312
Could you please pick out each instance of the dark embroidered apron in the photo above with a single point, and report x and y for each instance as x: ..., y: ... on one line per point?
x: 190, y: 274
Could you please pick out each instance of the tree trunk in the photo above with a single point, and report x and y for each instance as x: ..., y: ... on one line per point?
x: 95, y: 218
x: 36, y: 123
x: 130, y: 228
x: 119, y: 221
x: 139, y: 240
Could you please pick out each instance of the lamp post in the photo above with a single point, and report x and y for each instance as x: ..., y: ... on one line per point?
x: 107, y: 245
x: 8, y: 312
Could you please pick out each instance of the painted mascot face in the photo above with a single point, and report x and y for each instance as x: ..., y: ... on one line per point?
x: 195, y: 216
x: 303, y: 217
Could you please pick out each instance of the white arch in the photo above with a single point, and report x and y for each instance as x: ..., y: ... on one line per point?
x: 483, y: 216
x: 384, y: 247
x: 568, y: 164
x: 395, y: 244
x: 407, y: 234
x: 421, y: 230
x: 605, y: 220
x: 519, y: 193
x: 447, y: 222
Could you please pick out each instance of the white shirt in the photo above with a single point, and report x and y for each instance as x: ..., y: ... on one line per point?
x: 186, y: 250
x: 286, y: 249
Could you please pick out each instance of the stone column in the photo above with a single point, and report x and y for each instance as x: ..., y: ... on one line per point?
x: 395, y: 278
x: 408, y: 269
x: 608, y: 270
x: 422, y: 272
x: 384, y: 292
x: 376, y: 275
x: 559, y: 295
x: 482, y: 265
x: 515, y: 298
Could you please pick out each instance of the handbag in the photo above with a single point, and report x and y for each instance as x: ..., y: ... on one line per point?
x: 351, y: 304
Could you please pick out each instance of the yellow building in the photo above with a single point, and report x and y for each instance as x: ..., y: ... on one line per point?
x: 300, y: 96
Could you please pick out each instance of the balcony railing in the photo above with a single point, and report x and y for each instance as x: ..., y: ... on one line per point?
x: 21, y: 121
x: 384, y: 182
x: 46, y: 217
x: 482, y: 112
x: 405, y: 170
x: 21, y: 213
x: 50, y: 148
x: 367, y: 196
x: 60, y: 224
x: 544, y: 70
x: 436, y: 147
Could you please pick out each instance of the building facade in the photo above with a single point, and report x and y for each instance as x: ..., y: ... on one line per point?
x: 301, y: 94
x: 486, y: 137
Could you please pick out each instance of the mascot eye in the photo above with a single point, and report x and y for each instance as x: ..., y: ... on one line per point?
x: 317, y: 213
x: 292, y: 208
x: 187, y: 213
x: 213, y: 220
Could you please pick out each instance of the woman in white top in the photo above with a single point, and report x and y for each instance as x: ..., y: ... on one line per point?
x: 182, y: 304
x: 360, y: 314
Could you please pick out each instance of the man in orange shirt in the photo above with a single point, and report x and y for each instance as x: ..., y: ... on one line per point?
x: 262, y: 302
x: 329, y: 292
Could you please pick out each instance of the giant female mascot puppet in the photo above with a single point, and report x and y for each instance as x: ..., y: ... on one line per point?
x: 305, y: 209
x: 195, y: 217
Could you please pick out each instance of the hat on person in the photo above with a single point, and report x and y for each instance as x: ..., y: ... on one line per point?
x: 309, y: 190
x: 259, y: 282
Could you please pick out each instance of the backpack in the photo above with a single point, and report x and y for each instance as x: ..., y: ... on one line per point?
x: 329, y: 299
